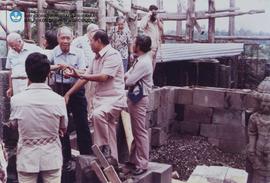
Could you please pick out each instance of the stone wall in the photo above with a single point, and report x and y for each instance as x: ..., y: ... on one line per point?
x: 4, y: 101
x: 216, y: 113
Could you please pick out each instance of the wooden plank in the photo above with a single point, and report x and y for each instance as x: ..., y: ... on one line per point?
x: 211, y: 22
x: 190, y: 20
x: 103, y: 162
x: 128, y: 129
x: 3, y: 27
x: 160, y: 4
x: 40, y: 24
x: 94, y: 165
x: 110, y: 13
x: 232, y: 20
x: 102, y: 14
x: 27, y: 25
x: 133, y: 23
x: 117, y: 7
x: 202, y: 15
x: 243, y: 37
x: 179, y: 23
x: 112, y: 175
x: 79, y: 14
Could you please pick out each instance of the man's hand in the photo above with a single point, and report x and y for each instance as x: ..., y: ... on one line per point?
x: 61, y: 132
x: 71, y: 72
x: 9, y: 92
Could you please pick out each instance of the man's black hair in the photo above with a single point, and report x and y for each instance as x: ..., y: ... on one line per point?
x: 37, y: 67
x: 51, y: 38
x: 102, y: 35
x: 153, y: 7
x: 120, y: 18
x: 143, y: 42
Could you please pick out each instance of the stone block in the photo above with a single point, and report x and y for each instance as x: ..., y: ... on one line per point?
x: 163, y: 117
x: 157, y: 173
x: 232, y: 146
x: 213, y: 141
x: 250, y: 101
x: 232, y: 117
x: 187, y: 127
x: 175, y: 127
x: 184, y: 95
x: 235, y: 99
x: 158, y: 137
x: 205, y: 174
x: 161, y: 172
x: 217, y: 174
x: 154, y: 99
x: 151, y: 119
x: 84, y: 174
x: 226, y: 132
x: 179, y: 110
x: 198, y: 114
x: 208, y: 130
x: 151, y: 103
x: 236, y: 175
x: 209, y: 97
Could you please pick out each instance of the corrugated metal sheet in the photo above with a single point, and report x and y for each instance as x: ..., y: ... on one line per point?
x: 178, y: 52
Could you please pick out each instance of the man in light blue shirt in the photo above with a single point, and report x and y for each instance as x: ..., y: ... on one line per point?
x: 66, y: 55
x: 17, y: 54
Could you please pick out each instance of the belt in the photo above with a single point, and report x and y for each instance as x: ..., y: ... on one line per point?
x: 19, y: 77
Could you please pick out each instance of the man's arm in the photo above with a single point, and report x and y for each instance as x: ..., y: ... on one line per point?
x: 144, y: 21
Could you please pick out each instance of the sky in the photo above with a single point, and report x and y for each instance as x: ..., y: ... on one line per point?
x: 256, y: 22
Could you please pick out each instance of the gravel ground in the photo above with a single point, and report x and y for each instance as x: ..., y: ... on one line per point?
x: 185, y: 152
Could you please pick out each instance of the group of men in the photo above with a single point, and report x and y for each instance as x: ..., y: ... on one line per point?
x: 41, y: 115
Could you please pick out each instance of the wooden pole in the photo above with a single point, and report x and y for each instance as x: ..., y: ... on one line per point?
x: 160, y: 4
x: 79, y: 12
x: 232, y: 20
x: 27, y: 25
x: 102, y: 14
x: 110, y: 13
x: 40, y: 24
x: 211, y: 22
x: 132, y: 23
x: 190, y: 23
x: 179, y: 23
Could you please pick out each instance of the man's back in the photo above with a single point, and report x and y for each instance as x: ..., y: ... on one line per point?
x: 38, y: 112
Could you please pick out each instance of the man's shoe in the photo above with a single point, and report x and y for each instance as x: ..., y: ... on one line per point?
x: 138, y: 171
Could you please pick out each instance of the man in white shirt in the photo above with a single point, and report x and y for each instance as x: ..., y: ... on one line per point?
x: 17, y: 54
x: 40, y: 116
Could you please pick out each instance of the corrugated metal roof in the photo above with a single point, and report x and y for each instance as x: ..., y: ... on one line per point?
x: 177, y: 52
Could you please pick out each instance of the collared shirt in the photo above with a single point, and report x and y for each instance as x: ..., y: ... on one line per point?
x: 141, y: 70
x: 120, y: 40
x: 152, y: 30
x: 74, y: 58
x: 83, y: 43
x: 112, y: 91
x: 16, y: 61
x: 38, y: 112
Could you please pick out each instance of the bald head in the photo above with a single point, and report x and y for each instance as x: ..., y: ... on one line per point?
x: 15, y: 41
x: 91, y: 27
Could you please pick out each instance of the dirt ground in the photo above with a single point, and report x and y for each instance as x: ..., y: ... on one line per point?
x: 185, y: 152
